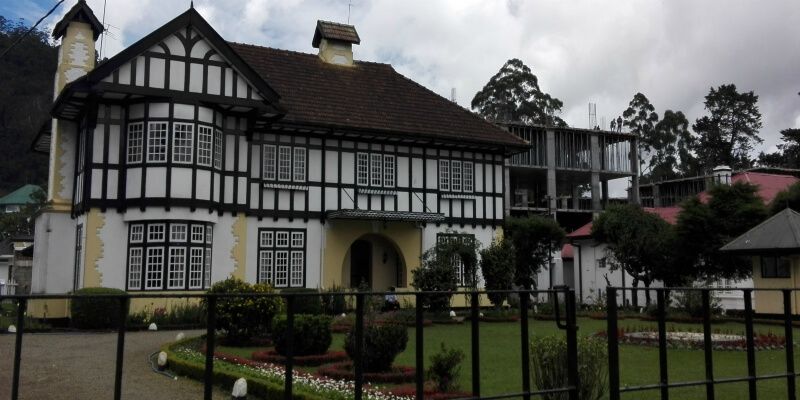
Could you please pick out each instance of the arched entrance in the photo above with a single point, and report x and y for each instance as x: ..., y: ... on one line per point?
x: 374, y: 260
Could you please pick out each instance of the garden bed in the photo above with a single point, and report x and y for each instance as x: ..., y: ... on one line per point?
x: 344, y: 370
x: 272, y: 356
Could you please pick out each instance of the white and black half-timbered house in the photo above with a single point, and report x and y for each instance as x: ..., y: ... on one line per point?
x: 186, y: 159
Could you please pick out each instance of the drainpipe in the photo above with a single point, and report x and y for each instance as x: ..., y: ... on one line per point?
x: 580, y: 268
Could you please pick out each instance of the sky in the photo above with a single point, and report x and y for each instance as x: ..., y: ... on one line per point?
x: 582, y: 51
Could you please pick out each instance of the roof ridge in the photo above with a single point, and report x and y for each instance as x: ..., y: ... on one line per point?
x: 303, y: 53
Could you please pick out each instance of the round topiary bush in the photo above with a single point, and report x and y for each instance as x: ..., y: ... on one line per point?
x: 95, y: 313
x: 243, y: 317
x: 312, y: 334
x: 306, y: 304
x: 382, y: 343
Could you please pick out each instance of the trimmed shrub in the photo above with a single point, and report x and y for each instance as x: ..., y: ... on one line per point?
x: 243, y: 317
x: 334, y: 304
x: 312, y: 334
x: 445, y: 368
x: 382, y: 343
x: 549, y: 366
x: 306, y: 304
x: 95, y: 313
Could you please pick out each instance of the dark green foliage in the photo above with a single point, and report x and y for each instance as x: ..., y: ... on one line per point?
x: 382, y: 343
x: 26, y: 73
x: 445, y: 367
x: 497, y: 267
x: 638, y: 242
x: 96, y: 313
x: 640, y: 118
x: 789, y: 198
x: 437, y: 274
x: 244, y: 317
x: 306, y: 304
x: 728, y: 135
x: 703, y: 228
x: 22, y: 222
x: 334, y: 304
x: 513, y: 95
x: 549, y: 366
x: 312, y: 334
x: 691, y: 301
x: 788, y: 154
x: 534, y: 239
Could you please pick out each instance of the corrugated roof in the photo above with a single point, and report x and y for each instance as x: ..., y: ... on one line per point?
x: 778, y: 234
x: 369, y: 97
x: 669, y: 214
x: 20, y: 196
x: 567, y: 252
x: 769, y: 185
x: 332, y: 30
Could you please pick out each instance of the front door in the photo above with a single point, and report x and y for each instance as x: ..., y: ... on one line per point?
x: 360, y: 263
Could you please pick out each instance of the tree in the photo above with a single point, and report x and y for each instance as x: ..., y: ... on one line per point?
x: 703, y: 228
x: 513, y: 95
x: 639, y: 243
x: 788, y: 151
x: 789, y: 198
x: 22, y: 222
x: 438, y: 270
x: 640, y: 118
x: 729, y: 134
x: 26, y: 72
x: 497, y: 267
x: 534, y: 239
x: 671, y: 146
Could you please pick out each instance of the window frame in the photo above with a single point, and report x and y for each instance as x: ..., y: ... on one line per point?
x: 157, y: 141
x: 780, y: 267
x: 134, y: 153
x: 281, y: 255
x: 182, y: 143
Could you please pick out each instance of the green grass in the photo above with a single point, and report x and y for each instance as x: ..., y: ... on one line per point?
x: 500, y: 358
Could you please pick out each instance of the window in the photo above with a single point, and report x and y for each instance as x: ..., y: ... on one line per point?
x: 135, y: 142
x: 174, y: 255
x: 462, y: 274
x: 76, y: 280
x: 204, y: 138
x: 775, y: 267
x: 376, y: 170
x: 157, y: 142
x: 456, y: 176
x: 218, y: 149
x: 281, y: 257
x: 182, y: 139
x: 284, y: 163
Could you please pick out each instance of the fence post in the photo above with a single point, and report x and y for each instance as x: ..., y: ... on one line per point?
x: 210, y: 342
x: 789, y: 334
x: 420, y: 349
x: 613, y: 344
x: 707, y: 343
x: 22, y: 307
x: 572, y: 343
x: 359, y: 361
x: 476, y: 366
x: 751, y: 351
x: 662, y: 344
x: 122, y: 318
x: 287, y: 382
x: 525, y: 336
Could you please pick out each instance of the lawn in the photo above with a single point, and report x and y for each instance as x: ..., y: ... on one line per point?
x: 500, y: 358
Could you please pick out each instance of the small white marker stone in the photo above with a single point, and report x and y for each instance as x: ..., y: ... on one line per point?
x: 343, y: 315
x: 12, y: 329
x: 152, y: 327
x: 179, y: 336
x: 239, y: 389
x: 162, y: 360
x: 452, y: 313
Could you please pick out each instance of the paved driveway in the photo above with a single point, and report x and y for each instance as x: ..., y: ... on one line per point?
x: 82, y: 366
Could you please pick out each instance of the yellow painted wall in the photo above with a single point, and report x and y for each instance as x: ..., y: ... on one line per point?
x: 771, y: 302
x: 94, y: 248
x: 239, y: 251
x: 57, y: 308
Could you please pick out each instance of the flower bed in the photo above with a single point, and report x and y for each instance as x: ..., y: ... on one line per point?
x: 425, y: 322
x: 429, y: 393
x: 272, y: 356
x: 253, y: 342
x: 344, y: 370
x: 648, y: 336
x: 448, y: 321
x: 507, y: 318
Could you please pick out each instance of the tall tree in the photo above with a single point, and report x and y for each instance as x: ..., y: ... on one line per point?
x: 513, y: 95
x: 788, y: 154
x: 639, y: 243
x: 729, y: 134
x: 534, y: 239
x: 640, y: 119
x: 22, y: 222
x: 789, y: 198
x: 703, y: 228
x: 497, y: 267
x: 26, y: 75
x: 670, y: 148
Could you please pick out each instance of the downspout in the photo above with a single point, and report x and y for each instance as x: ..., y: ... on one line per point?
x: 580, y: 269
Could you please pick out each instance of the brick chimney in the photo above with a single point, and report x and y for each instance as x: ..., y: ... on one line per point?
x: 335, y: 42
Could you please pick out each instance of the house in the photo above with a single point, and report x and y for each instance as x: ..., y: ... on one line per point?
x: 15, y: 264
x: 186, y: 159
x: 774, y: 246
x: 15, y: 201
x: 587, y: 260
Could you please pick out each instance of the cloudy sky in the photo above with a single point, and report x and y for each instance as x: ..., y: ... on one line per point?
x: 582, y: 51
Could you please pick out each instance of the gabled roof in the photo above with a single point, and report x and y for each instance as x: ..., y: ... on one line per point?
x: 335, y: 31
x: 780, y: 234
x: 369, y: 99
x: 769, y: 185
x: 567, y: 252
x: 82, y: 13
x: 20, y: 196
x: 669, y: 214
x: 75, y: 92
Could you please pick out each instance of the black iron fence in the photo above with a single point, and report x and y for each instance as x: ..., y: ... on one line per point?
x: 567, y: 323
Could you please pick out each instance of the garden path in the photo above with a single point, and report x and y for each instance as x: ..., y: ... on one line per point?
x: 81, y: 366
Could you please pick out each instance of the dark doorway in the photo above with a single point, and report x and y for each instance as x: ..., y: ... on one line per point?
x: 360, y: 263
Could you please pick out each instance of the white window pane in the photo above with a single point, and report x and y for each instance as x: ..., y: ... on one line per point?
x: 444, y: 175
x: 157, y: 142
x: 284, y: 163
x: 155, y: 233
x: 469, y: 177
x: 281, y: 268
x: 388, y: 171
x: 218, y: 149
x: 282, y: 239
x: 197, y: 233
x: 205, y: 136
x: 182, y: 139
x: 265, y: 266
x: 135, y: 142
x: 362, y: 174
x: 135, y: 268
x: 455, y: 176
x: 297, y: 239
x: 196, y: 268
x: 298, y: 263
x: 155, y: 268
x: 376, y: 169
x: 137, y: 233
x: 177, y: 233
x: 299, y: 164
x: 269, y: 162
x: 177, y: 268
